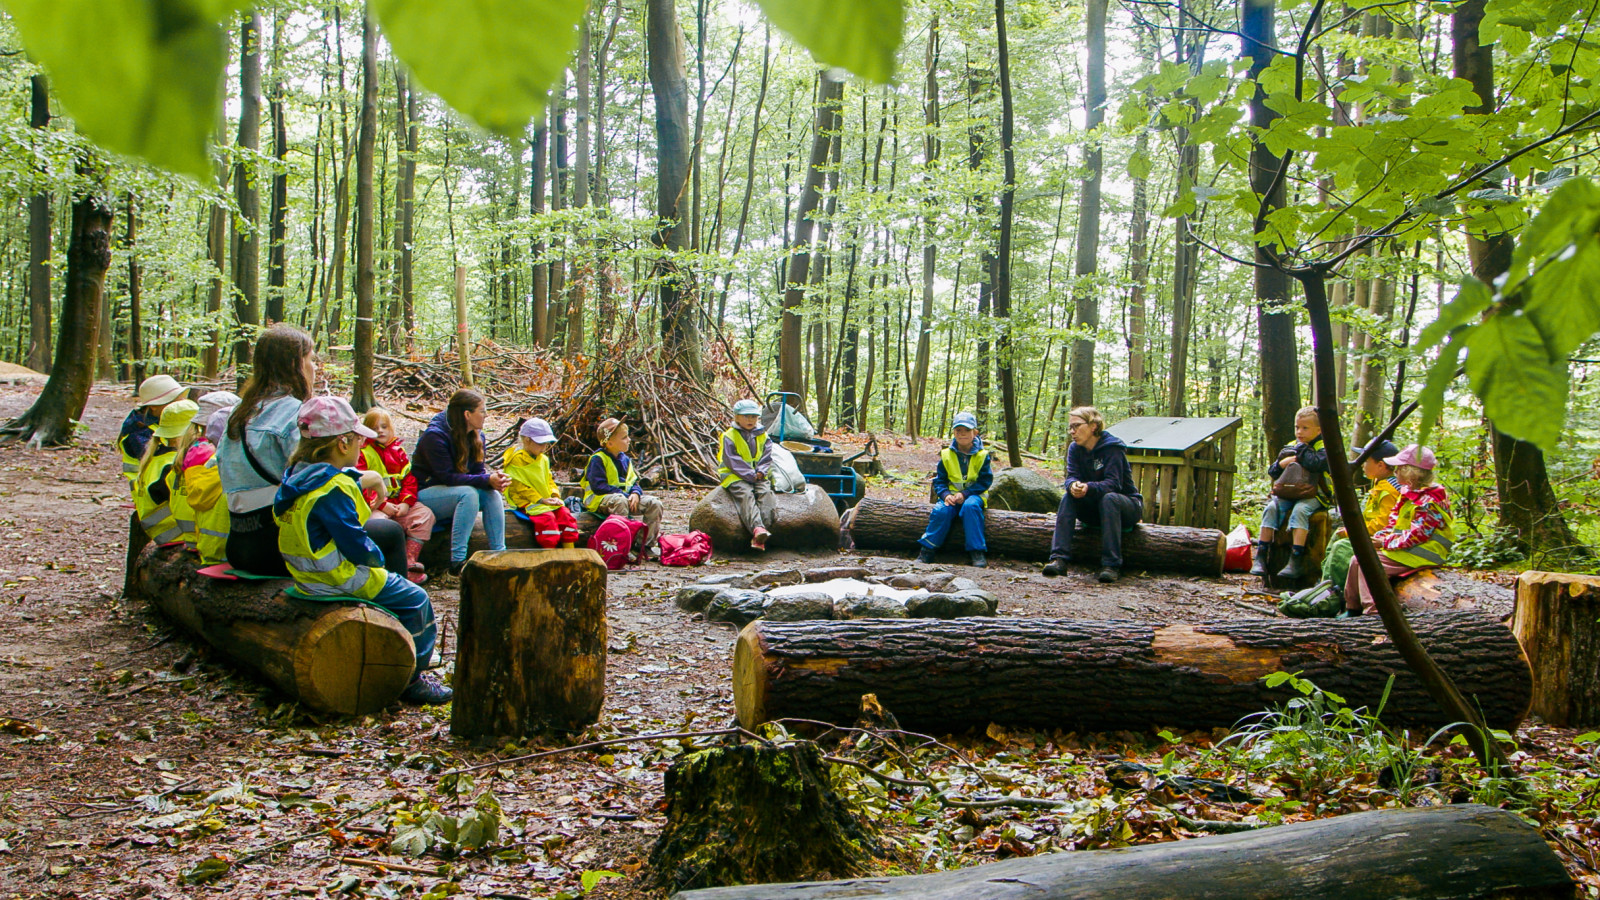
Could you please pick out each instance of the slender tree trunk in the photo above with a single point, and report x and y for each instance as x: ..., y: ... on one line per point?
x: 539, y: 308
x: 1139, y: 275
x: 979, y: 81
x: 278, y: 208
x: 791, y: 361
x: 680, y: 332
x: 1087, y: 264
x: 1002, y: 281
x: 556, y: 311
x: 363, y: 397
x: 135, y: 292
x: 246, y: 235
x: 583, y: 274
x: 406, y: 198
x: 916, y: 397
x: 749, y: 171
x: 39, y: 220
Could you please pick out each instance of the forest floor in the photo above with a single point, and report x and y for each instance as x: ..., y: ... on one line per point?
x: 133, y: 761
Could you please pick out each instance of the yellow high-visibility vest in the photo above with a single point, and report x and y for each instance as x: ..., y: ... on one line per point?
x: 745, y: 451
x: 591, y: 500
x: 959, y: 480
x: 202, y: 487
x: 392, y: 481
x: 1431, y: 553
x: 324, y: 570
x: 531, y: 482
x: 157, y: 519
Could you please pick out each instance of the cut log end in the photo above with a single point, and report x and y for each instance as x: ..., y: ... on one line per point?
x: 354, y: 660
x: 749, y: 678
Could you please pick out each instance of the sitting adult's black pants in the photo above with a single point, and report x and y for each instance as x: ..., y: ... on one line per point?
x: 253, y: 543
x: 1113, y: 514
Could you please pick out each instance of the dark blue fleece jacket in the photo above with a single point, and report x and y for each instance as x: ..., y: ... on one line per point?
x: 1104, y: 469
x: 332, y: 516
x: 433, y: 462
x: 941, y: 481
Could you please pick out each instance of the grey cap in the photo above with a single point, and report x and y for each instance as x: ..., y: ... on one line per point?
x: 747, y: 407
x: 964, y: 419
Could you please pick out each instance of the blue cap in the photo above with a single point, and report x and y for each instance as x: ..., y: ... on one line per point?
x: 1384, y: 450
x: 747, y: 407
x: 964, y: 420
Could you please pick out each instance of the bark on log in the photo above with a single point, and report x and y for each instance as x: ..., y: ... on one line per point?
x: 891, y: 525
x: 519, y: 536
x: 335, y: 657
x: 531, y: 646
x: 1463, y: 851
x: 942, y: 676
x: 1557, y: 619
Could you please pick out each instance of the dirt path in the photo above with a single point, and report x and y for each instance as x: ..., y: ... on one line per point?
x: 130, y: 755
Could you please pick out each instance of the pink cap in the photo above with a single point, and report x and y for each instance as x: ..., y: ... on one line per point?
x: 330, y: 417
x: 1413, y: 455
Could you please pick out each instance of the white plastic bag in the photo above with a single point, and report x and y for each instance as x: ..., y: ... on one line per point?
x: 796, y: 427
x: 785, y: 472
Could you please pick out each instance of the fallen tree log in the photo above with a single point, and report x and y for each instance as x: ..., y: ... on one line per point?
x: 1462, y: 851
x: 342, y: 658
x: 893, y: 525
x: 436, y: 552
x: 942, y: 676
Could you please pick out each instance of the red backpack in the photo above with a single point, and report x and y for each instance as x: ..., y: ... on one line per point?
x: 690, y: 549
x: 614, y: 539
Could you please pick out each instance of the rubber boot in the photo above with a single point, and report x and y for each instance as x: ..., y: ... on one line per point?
x: 1295, y: 567
x: 414, y: 567
x: 569, y: 545
x: 1259, y: 567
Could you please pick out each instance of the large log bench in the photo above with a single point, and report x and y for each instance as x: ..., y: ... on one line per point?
x: 519, y: 536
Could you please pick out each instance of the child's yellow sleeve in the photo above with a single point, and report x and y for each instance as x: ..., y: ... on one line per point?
x: 202, y: 485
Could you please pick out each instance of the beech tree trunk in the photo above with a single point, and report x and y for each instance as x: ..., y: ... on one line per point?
x: 246, y: 255
x: 916, y: 397
x: 1557, y: 619
x: 791, y: 358
x: 406, y: 200
x: 680, y: 332
x: 1086, y: 295
x: 344, y: 658
x: 531, y: 650
x: 135, y: 361
x: 278, y: 202
x: 39, y: 221
x: 362, y: 396
x: 1439, y: 853
x: 894, y: 525
x: 1002, y: 278
x: 939, y: 675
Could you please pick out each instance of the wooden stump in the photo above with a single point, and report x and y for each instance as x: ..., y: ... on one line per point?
x: 1283, y: 547
x: 1557, y: 619
x: 749, y: 814
x: 892, y: 525
x: 344, y: 658
x: 531, y: 645
x: 137, y: 541
x: 436, y: 552
x: 1464, y: 851
x: 944, y: 676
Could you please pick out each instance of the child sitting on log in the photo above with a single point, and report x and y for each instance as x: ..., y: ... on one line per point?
x: 320, y: 513
x: 202, y: 487
x: 165, y: 518
x: 743, y: 459
x: 397, y: 499
x: 1418, y: 535
x: 1380, y: 502
x: 959, y: 480
x: 1293, y: 511
x: 155, y: 393
x: 611, y: 485
x: 532, y: 493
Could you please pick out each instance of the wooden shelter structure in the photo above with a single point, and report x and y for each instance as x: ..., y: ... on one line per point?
x: 1184, y: 467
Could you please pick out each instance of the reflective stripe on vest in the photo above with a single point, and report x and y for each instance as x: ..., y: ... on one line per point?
x: 960, y: 481
x: 1431, y: 552
x: 156, y: 519
x: 591, y: 500
x: 391, y: 482
x: 324, y: 570
x: 740, y: 447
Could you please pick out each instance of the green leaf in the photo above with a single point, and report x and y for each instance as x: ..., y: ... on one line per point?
x: 139, y: 78
x: 592, y: 877
x: 1277, y: 678
x: 1139, y: 166
x: 1468, y: 303
x: 860, y: 35
x: 1440, y: 374
x: 1511, y: 372
x: 492, y: 60
x: 411, y: 840
x: 209, y: 869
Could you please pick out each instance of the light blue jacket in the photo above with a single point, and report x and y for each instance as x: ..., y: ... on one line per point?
x: 273, y: 434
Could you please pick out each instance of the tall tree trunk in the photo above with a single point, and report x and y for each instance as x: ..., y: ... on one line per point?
x: 39, y: 216
x: 246, y: 229
x: 680, y: 332
x: 556, y: 311
x: 363, y: 398
x: 1002, y: 280
x: 1369, y: 394
x: 278, y: 208
x: 538, y: 309
x: 917, y: 396
x: 52, y: 419
x: 979, y: 81
x: 406, y: 199
x: 135, y: 292
x: 1087, y: 264
x: 1139, y: 275
x: 1280, y: 363
x: 1186, y: 253
x: 584, y: 273
x: 1528, y: 504
x: 749, y: 171
x: 791, y: 361
x: 696, y: 162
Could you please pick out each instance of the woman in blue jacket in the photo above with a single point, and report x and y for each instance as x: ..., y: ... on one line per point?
x: 1100, y: 493
x: 452, y: 479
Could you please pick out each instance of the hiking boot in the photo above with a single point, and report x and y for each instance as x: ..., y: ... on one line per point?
x: 456, y: 566
x: 1056, y: 566
x: 425, y: 690
x: 925, y: 555
x: 1108, y: 575
x: 979, y: 561
x: 1294, y: 568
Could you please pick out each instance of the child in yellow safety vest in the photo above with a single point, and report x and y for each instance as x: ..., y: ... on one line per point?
x: 320, y: 513
x: 532, y: 493
x: 1419, y: 534
x: 397, y: 499
x: 202, y: 487
x: 155, y: 393
x: 611, y: 485
x: 1380, y: 502
x: 165, y: 516
x: 743, y: 459
x: 959, y: 482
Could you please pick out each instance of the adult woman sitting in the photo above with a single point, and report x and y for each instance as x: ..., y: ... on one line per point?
x: 1100, y: 493
x: 452, y: 479
x: 262, y: 434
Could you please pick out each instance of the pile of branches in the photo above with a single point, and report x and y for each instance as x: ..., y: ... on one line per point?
x: 497, y: 372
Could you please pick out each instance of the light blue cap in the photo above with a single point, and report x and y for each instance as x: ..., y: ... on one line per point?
x: 538, y: 431
x: 964, y: 419
x: 747, y: 407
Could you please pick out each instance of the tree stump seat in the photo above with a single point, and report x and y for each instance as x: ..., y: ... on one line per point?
x: 1316, y: 552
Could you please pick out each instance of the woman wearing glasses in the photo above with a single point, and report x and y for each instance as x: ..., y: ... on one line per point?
x: 1100, y: 493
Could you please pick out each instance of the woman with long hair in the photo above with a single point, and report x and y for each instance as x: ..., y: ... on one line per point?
x: 262, y: 434
x: 452, y: 479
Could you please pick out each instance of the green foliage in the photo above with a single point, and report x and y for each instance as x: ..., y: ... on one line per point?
x: 860, y: 35
x: 139, y: 78
x: 493, y: 60
x: 424, y: 827
x: 1488, y: 549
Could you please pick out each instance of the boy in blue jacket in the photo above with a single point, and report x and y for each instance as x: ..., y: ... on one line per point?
x: 959, y: 481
